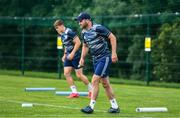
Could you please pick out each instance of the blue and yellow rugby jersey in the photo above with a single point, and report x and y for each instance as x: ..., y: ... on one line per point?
x: 67, y: 39
x: 96, y: 39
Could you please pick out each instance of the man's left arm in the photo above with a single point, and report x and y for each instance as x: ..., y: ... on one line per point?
x: 113, y: 42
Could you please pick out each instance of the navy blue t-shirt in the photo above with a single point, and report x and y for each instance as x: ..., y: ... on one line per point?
x: 96, y: 39
x: 67, y: 39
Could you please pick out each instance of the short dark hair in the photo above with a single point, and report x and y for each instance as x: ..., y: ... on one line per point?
x: 58, y: 23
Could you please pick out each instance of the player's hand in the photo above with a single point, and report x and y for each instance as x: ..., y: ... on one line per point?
x: 114, y: 57
x: 70, y: 56
x: 63, y: 58
x: 81, y: 62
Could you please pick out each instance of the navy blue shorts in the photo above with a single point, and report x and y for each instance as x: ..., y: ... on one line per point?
x: 101, y: 66
x: 72, y: 63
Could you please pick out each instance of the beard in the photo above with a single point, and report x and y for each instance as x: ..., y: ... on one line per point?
x: 84, y: 26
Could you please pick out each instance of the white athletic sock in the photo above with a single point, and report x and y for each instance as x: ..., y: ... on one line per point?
x: 114, y: 103
x: 89, y: 87
x: 92, y: 103
x: 73, y: 88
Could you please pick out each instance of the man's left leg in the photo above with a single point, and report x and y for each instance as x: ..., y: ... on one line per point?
x: 110, y: 94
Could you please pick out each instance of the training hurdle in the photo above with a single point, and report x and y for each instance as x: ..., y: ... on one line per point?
x: 66, y: 93
x: 152, y: 109
x: 40, y: 89
x: 27, y: 105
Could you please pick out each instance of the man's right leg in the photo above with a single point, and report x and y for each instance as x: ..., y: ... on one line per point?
x: 95, y: 91
x: 95, y: 86
x: 70, y: 81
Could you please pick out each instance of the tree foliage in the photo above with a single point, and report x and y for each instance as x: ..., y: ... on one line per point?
x: 166, y: 51
x: 111, y: 13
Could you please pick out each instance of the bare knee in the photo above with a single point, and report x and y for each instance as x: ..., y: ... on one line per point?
x: 95, y: 81
x: 67, y: 74
x: 78, y: 74
x: 105, y: 84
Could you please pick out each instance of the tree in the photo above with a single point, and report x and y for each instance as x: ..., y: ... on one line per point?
x: 166, y: 54
x: 136, y: 57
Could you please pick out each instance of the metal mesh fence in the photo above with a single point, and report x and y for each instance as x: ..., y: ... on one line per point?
x: 29, y: 43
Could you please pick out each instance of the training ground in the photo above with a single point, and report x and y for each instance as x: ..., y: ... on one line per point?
x: 47, y: 104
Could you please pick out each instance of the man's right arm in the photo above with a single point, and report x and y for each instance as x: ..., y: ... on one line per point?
x: 84, y: 52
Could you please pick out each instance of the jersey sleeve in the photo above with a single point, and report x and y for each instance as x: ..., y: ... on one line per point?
x: 103, y: 31
x: 71, y: 34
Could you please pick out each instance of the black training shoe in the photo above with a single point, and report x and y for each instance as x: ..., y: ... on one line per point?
x: 87, y: 110
x: 112, y: 110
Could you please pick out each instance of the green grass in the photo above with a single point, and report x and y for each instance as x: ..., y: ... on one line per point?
x: 129, y: 97
x: 52, y: 75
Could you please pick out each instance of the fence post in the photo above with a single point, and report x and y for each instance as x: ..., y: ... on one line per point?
x: 22, y: 46
x: 148, y: 51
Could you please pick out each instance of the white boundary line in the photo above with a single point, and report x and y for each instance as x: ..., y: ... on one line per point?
x: 47, y: 105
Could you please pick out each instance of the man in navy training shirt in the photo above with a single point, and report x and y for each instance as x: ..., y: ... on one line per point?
x: 71, y: 57
x: 95, y: 38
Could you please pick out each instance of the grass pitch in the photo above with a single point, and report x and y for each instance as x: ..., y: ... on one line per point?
x: 47, y: 104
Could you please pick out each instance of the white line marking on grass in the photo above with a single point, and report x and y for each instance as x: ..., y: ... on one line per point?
x: 47, y: 105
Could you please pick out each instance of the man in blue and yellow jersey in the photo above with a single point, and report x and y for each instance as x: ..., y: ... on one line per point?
x: 71, y: 57
x: 95, y: 38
